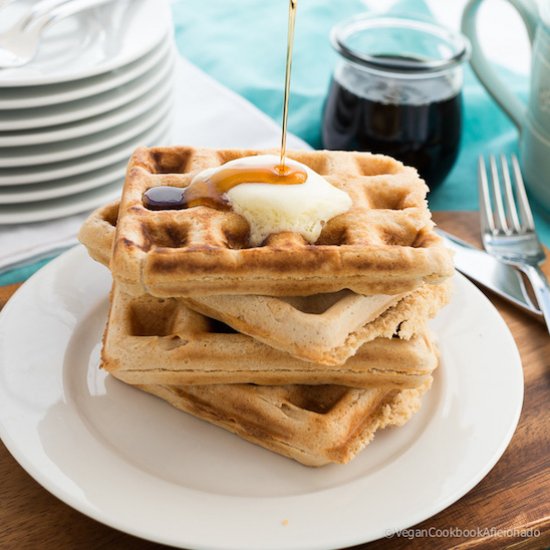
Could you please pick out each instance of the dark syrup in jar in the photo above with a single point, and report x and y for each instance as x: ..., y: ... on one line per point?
x: 417, y: 121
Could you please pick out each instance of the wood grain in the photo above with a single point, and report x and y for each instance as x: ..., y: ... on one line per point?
x: 514, y: 495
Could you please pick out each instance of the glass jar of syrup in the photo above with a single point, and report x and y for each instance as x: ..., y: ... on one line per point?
x: 396, y: 90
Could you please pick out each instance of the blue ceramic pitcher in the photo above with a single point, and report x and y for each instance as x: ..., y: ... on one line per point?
x: 533, y: 119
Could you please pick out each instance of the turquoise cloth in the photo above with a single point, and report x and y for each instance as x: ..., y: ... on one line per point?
x: 245, y: 50
x: 22, y: 273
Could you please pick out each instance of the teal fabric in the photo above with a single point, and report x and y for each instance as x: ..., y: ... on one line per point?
x: 22, y: 273
x: 245, y: 50
x: 242, y: 44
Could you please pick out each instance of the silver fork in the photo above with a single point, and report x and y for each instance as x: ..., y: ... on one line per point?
x: 510, y: 235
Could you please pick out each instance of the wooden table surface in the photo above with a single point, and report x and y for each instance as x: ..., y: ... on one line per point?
x: 515, y: 495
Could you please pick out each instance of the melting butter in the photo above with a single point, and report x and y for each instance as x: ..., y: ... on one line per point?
x: 302, y: 208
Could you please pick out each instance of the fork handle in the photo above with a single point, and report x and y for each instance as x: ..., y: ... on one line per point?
x: 541, y: 288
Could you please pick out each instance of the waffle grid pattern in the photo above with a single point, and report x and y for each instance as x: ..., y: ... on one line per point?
x: 306, y: 350
x: 323, y: 328
x: 161, y: 341
x: 314, y: 425
x: 385, y: 240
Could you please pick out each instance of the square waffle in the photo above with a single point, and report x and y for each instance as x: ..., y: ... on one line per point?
x: 322, y: 328
x: 326, y: 329
x: 314, y: 425
x: 152, y: 340
x: 383, y: 245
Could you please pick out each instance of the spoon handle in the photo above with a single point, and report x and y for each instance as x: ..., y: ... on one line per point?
x: 66, y: 9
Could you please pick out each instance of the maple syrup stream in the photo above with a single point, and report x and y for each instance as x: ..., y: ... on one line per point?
x: 210, y: 190
x: 293, y: 4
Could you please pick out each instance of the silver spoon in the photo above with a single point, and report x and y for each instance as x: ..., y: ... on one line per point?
x: 19, y: 44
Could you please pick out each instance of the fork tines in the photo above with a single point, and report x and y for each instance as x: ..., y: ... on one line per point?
x: 506, y: 218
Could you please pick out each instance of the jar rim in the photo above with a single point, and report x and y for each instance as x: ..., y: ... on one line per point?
x: 342, y: 31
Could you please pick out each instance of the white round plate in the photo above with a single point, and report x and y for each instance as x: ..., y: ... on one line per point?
x: 41, y: 96
x: 56, y: 170
x: 90, y: 43
x: 28, y: 212
x: 61, y: 188
x: 65, y: 150
x: 79, y: 128
x: 61, y: 207
x: 133, y: 462
x: 23, y: 119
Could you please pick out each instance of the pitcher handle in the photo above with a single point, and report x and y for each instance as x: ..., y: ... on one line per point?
x: 511, y: 104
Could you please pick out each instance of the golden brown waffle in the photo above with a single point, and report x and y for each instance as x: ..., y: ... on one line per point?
x: 153, y: 340
x: 98, y: 232
x: 323, y: 328
x: 326, y: 329
x: 314, y: 425
x: 383, y: 245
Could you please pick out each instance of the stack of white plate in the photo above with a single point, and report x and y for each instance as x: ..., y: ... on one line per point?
x: 100, y: 86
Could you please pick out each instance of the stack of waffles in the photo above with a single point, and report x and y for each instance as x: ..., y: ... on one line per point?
x: 304, y: 349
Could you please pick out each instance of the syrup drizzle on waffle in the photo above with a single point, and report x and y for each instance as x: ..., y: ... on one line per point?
x: 210, y: 190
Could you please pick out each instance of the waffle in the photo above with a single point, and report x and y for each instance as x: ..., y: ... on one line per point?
x: 326, y: 329
x: 98, y: 232
x: 314, y: 425
x: 323, y: 328
x: 384, y: 244
x: 153, y: 340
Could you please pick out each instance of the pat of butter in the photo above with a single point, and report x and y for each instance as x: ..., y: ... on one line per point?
x: 302, y: 208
